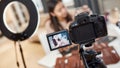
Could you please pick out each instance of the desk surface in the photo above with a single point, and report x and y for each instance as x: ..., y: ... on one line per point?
x: 32, y: 52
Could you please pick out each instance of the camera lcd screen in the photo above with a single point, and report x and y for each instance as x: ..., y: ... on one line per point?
x: 58, y: 39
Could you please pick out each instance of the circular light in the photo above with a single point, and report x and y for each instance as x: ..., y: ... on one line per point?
x: 33, y: 22
x: 16, y: 17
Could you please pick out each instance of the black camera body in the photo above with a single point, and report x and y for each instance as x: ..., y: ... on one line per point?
x: 87, y: 28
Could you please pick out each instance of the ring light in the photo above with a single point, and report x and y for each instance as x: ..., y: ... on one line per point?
x: 33, y: 23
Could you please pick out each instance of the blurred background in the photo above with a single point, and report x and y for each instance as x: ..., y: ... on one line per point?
x: 17, y: 19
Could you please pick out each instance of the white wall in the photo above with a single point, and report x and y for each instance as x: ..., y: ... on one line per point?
x: 39, y: 4
x: 108, y: 4
x: 68, y: 2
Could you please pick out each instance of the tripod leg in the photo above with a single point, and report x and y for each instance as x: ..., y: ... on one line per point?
x: 21, y: 51
x: 16, y: 55
x: 81, y: 51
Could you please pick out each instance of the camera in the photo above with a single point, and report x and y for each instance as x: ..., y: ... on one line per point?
x: 87, y: 28
x: 84, y: 30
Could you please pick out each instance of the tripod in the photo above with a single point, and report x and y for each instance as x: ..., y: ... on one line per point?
x: 89, y: 58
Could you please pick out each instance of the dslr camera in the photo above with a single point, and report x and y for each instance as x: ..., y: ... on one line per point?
x: 84, y: 30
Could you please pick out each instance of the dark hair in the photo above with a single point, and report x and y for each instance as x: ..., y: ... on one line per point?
x: 54, y: 20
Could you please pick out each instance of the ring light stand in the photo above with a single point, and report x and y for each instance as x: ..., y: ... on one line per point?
x: 33, y: 24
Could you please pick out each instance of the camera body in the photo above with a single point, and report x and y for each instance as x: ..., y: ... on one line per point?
x: 87, y: 28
